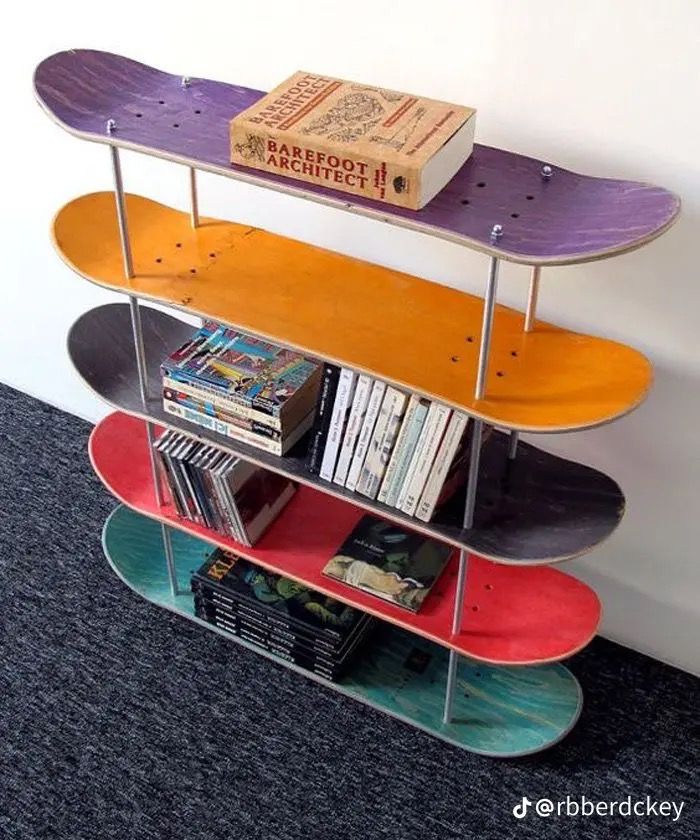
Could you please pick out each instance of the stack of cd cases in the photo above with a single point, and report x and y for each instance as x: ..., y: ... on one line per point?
x: 286, y: 618
x: 219, y: 490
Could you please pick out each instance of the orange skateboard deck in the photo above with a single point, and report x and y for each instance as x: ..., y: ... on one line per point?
x: 512, y: 615
x: 408, y: 331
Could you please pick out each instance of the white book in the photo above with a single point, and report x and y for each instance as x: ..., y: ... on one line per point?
x: 363, y: 439
x: 382, y: 443
x: 341, y: 407
x: 403, y: 450
x: 441, y: 466
x: 422, y: 461
x: 352, y: 430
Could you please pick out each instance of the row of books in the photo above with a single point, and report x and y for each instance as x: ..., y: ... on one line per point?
x: 242, y: 387
x: 219, y: 490
x: 279, y: 615
x: 405, y: 451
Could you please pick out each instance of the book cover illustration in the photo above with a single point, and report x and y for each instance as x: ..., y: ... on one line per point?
x: 354, y: 137
x: 253, y: 371
x: 384, y: 560
x: 278, y: 594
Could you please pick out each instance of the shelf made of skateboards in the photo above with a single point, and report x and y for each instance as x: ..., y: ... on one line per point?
x: 546, y: 219
x: 498, y: 711
x: 537, y: 508
x: 513, y: 616
x: 342, y: 309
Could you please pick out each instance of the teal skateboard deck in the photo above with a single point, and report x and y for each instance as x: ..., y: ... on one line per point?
x: 498, y: 711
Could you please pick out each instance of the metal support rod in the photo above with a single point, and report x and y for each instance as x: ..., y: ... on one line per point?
x: 486, y: 327
x: 450, y: 689
x: 194, y: 203
x: 137, y: 332
x: 532, y: 298
x: 121, y: 213
x: 473, y: 477
x: 170, y: 560
x: 513, y: 444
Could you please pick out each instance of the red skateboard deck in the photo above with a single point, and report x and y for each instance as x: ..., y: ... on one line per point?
x: 511, y: 615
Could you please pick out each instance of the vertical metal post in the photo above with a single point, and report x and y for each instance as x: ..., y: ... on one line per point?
x: 486, y: 328
x: 513, y: 444
x: 169, y: 560
x: 194, y: 202
x: 532, y: 298
x: 472, y: 480
x: 137, y: 332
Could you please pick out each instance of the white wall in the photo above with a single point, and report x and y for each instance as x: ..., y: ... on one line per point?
x: 600, y: 87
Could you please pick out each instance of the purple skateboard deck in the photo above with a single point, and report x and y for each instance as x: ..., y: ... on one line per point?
x: 567, y: 218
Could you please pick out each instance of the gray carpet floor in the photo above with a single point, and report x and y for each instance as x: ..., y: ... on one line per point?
x: 119, y: 720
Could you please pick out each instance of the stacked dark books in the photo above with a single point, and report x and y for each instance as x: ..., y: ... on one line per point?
x: 390, y: 562
x: 242, y: 387
x: 405, y: 451
x: 219, y: 490
x: 279, y: 615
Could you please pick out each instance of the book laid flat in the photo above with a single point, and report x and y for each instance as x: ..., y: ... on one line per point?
x: 387, y: 561
x: 242, y: 387
x: 279, y: 615
x: 360, y: 139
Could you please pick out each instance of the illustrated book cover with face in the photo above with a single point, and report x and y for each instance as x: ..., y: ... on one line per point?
x: 392, y: 563
x: 271, y: 592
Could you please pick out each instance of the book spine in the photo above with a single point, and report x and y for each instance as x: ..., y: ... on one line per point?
x: 319, y: 431
x: 327, y: 164
x: 355, y: 420
x: 207, y: 393
x: 384, y: 438
x: 207, y: 407
x: 405, y: 443
x: 441, y: 466
x: 365, y: 436
x: 341, y: 406
x: 221, y: 427
x: 425, y: 455
x: 231, y: 526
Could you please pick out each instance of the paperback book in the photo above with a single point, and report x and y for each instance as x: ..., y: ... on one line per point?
x: 387, y: 561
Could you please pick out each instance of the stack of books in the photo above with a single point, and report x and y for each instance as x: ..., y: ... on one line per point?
x: 404, y: 451
x: 219, y: 490
x: 279, y: 615
x: 242, y: 387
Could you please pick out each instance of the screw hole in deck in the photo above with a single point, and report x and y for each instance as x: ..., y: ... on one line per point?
x: 481, y: 184
x: 197, y: 111
x: 500, y: 373
x: 529, y: 197
x: 176, y: 125
x: 161, y: 101
x: 139, y: 115
x: 514, y: 215
x: 513, y: 352
x: 193, y: 271
x: 470, y: 338
x: 475, y: 609
x: 212, y: 255
x: 178, y: 244
x: 455, y: 358
x: 465, y: 201
x: 159, y: 259
x: 488, y: 586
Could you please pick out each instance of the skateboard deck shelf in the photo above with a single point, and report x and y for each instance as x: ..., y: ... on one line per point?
x: 538, y: 508
x: 340, y: 309
x: 512, y: 615
x: 568, y: 218
x: 499, y: 711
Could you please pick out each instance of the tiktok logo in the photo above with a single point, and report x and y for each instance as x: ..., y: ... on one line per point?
x: 520, y: 811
